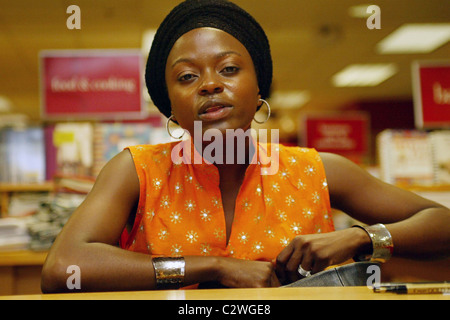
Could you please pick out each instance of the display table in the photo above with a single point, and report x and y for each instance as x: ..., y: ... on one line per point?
x: 317, y: 293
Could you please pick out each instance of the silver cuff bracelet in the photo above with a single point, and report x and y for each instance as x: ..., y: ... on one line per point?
x: 381, y: 243
x: 169, y: 272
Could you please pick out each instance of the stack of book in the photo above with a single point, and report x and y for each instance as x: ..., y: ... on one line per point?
x: 14, y: 234
x: 47, y: 223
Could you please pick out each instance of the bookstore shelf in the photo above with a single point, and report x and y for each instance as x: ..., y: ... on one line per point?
x: 26, y: 187
x: 426, y: 188
x: 7, y: 188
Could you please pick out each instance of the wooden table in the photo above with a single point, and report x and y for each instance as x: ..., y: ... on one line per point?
x: 20, y: 272
x: 323, y: 293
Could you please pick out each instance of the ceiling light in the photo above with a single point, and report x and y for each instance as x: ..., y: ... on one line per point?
x: 364, y: 75
x: 415, y: 38
x: 359, y: 11
x: 289, y: 99
x: 147, y: 40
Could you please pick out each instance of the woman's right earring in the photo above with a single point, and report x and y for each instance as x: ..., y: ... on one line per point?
x: 268, y: 112
x: 168, y: 130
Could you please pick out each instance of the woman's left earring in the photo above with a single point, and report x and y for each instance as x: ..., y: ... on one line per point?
x: 268, y: 112
x: 168, y: 130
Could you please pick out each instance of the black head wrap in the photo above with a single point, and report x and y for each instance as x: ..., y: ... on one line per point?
x: 219, y: 14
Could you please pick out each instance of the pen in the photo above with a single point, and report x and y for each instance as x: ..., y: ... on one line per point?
x: 414, y: 288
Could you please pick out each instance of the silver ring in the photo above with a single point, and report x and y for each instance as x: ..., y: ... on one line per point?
x: 303, y: 272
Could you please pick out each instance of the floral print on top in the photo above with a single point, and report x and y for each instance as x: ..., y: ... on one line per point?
x: 180, y: 206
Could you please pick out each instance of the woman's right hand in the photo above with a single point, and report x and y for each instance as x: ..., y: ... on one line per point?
x: 237, y: 273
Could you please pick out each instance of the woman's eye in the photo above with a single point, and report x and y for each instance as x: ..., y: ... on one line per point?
x: 186, y: 77
x: 230, y: 69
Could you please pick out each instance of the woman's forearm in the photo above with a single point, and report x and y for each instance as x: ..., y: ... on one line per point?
x: 107, y: 268
x: 425, y: 235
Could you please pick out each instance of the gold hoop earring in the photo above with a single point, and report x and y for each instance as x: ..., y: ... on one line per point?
x: 268, y: 112
x: 168, y: 131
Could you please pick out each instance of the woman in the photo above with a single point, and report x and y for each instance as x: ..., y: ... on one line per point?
x: 181, y: 222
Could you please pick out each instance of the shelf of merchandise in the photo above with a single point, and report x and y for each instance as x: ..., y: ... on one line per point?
x: 7, y: 188
x: 20, y: 271
x: 426, y: 188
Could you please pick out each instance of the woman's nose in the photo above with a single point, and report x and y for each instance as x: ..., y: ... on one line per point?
x: 210, y: 85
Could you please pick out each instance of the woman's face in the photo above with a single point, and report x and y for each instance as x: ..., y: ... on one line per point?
x: 211, y: 78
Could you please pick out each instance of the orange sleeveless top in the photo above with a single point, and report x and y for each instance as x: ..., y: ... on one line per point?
x: 180, y: 207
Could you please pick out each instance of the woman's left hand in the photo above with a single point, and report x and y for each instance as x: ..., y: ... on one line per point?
x: 315, y: 252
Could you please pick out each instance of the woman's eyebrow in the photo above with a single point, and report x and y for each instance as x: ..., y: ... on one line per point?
x: 186, y: 60
x: 226, y: 53
x: 218, y: 56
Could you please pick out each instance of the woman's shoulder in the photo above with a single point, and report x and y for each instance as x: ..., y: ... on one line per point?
x: 295, y: 160
x: 151, y: 152
x: 291, y: 149
x: 286, y: 148
x: 295, y: 154
x: 152, y: 148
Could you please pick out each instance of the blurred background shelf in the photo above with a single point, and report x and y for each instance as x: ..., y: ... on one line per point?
x: 26, y: 187
x: 7, y: 188
x: 431, y: 188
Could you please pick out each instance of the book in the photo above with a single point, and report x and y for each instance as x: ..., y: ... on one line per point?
x: 73, y: 143
x: 406, y: 157
x: 50, y: 152
x: 22, y: 153
x: 3, y: 156
x: 440, y: 143
x: 112, y: 138
x: 23, y: 204
x: 45, y: 225
x: 75, y: 184
x: 14, y: 234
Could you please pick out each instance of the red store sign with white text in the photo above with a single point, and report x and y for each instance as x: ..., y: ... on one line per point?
x: 343, y: 134
x: 431, y: 88
x: 103, y: 84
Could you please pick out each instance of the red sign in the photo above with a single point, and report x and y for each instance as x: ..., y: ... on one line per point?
x: 104, y: 84
x: 431, y: 88
x: 342, y: 134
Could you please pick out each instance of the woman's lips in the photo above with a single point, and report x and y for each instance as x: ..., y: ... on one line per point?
x: 214, y: 109
x: 215, y: 113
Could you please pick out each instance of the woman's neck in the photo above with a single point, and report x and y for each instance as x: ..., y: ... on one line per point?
x: 235, y: 149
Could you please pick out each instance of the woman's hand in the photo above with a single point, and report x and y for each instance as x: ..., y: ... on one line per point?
x: 236, y: 273
x: 315, y: 252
